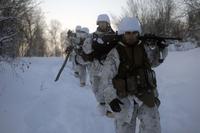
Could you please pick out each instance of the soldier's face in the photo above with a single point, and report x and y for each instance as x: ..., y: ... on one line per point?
x: 131, y: 38
x: 103, y: 26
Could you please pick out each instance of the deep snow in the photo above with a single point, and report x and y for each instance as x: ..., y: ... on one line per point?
x: 31, y: 102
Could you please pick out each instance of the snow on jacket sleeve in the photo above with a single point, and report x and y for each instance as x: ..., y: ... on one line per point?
x: 87, y: 45
x: 87, y: 49
x: 155, y: 54
x: 109, y: 71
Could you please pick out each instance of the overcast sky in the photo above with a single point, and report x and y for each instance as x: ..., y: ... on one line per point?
x: 80, y: 12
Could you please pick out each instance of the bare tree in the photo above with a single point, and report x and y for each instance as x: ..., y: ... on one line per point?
x: 193, y: 18
x: 35, y: 35
x: 54, y: 35
x: 15, y: 21
x: 64, y: 39
x: 10, y: 36
x: 156, y: 16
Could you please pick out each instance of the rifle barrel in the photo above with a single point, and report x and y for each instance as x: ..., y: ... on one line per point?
x: 158, y: 38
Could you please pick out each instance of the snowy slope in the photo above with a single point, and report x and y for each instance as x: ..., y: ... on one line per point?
x: 179, y: 87
x: 31, y: 102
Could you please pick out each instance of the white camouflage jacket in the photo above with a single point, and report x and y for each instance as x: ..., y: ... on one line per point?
x: 101, y: 78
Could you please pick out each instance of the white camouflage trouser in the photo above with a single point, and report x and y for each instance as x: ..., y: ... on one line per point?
x: 149, y: 121
x: 82, y: 73
x: 72, y: 58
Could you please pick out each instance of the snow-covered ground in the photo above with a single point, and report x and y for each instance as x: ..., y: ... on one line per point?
x: 182, y: 46
x: 31, y: 102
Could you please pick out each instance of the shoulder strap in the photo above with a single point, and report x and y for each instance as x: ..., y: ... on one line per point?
x: 122, y: 53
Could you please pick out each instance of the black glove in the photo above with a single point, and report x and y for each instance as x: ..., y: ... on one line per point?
x: 87, y: 57
x: 69, y: 49
x: 162, y: 44
x: 115, y: 105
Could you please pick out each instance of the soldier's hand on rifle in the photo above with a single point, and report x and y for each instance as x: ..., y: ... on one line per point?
x: 162, y: 44
x: 69, y: 49
x: 87, y: 57
x: 115, y: 105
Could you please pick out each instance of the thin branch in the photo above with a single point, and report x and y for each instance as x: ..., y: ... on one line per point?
x: 7, y: 37
x: 7, y: 18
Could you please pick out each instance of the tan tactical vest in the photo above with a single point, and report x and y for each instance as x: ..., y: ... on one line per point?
x: 131, y: 78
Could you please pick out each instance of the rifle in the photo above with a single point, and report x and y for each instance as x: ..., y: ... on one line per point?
x: 63, y: 66
x: 159, y: 41
x: 116, y: 37
x: 157, y: 38
x: 71, y: 34
x: 68, y: 51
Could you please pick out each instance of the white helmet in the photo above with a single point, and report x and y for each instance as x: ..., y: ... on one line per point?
x: 103, y: 18
x: 78, y: 28
x: 85, y: 29
x: 129, y: 24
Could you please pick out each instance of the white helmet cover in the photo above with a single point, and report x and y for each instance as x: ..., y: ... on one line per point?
x: 129, y: 24
x: 78, y: 28
x: 103, y: 18
x: 85, y: 29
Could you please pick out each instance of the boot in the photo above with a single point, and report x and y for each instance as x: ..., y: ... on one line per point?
x: 82, y: 84
x: 76, y: 74
x: 110, y: 114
